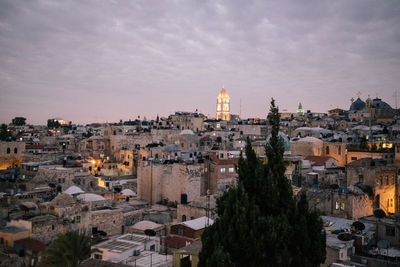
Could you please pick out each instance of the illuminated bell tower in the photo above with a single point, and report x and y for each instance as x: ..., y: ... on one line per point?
x: 223, y: 106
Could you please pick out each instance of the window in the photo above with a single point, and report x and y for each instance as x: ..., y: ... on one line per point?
x: 361, y: 178
x: 223, y: 170
x: 152, y: 247
x: 342, y: 206
x: 98, y: 256
x: 231, y: 169
x: 327, y: 150
x: 390, y: 231
x: 387, y: 180
x: 15, y: 150
x: 183, y: 218
x: 337, y: 205
x: 380, y: 180
x: 339, y: 150
x: 8, y: 150
x: 52, y: 227
x: 180, y: 231
x: 353, y: 158
x: 78, y: 219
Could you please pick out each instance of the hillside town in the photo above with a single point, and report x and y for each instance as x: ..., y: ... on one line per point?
x: 145, y: 190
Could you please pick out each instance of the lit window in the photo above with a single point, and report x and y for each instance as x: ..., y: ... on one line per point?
x: 231, y: 169
x: 223, y: 170
x: 342, y: 206
x: 337, y: 205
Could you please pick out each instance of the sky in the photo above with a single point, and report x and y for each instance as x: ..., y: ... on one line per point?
x: 102, y: 61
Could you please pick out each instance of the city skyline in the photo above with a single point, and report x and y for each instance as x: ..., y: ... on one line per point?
x: 117, y: 60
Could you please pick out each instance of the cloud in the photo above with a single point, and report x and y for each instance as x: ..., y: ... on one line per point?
x: 111, y: 60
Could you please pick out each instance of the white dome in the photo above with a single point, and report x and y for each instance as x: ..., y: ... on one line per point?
x: 143, y: 225
x: 310, y: 139
x: 187, y: 131
x: 89, y: 197
x: 73, y: 190
x: 127, y: 192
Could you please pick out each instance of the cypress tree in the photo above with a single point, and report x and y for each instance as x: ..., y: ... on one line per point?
x: 259, y: 221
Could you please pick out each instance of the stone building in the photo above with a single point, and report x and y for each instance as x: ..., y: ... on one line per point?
x: 108, y: 220
x: 43, y: 228
x: 188, y: 121
x: 186, y: 140
x: 95, y: 147
x: 177, y: 182
x: 380, y: 177
x: 312, y: 146
x: 350, y: 205
x: 11, y: 154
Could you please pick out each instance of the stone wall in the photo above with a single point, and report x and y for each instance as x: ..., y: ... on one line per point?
x: 169, y: 182
x: 11, y: 154
x: 190, y: 212
x: 109, y: 221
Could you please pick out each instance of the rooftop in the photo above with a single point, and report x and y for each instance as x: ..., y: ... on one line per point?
x: 198, y: 223
x: 12, y: 230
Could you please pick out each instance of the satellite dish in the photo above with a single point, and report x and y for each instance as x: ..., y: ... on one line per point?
x: 150, y: 232
x: 345, y: 236
x: 379, y: 213
x: 358, y: 225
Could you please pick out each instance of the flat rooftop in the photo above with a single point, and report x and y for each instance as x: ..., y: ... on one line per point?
x: 124, y: 242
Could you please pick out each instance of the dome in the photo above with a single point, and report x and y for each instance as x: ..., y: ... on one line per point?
x: 379, y: 104
x: 187, y: 131
x: 72, y: 190
x: 284, y: 139
x: 128, y: 193
x: 89, y: 197
x: 143, y: 225
x: 310, y: 139
x: 357, y: 105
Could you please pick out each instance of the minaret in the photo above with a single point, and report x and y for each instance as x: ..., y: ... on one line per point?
x: 300, y: 110
x: 223, y: 106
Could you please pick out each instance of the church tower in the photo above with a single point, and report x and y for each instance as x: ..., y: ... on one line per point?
x: 223, y: 106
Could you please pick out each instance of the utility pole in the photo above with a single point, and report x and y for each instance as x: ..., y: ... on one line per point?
x: 240, y: 111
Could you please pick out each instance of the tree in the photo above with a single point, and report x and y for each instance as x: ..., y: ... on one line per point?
x: 18, y: 121
x: 67, y: 249
x: 260, y: 223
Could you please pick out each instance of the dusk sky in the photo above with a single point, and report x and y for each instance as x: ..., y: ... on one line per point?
x: 98, y: 61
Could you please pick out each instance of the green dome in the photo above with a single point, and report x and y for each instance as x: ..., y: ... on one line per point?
x: 284, y: 139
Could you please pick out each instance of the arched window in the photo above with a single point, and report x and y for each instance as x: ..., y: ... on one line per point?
x: 183, y: 218
x: 15, y: 150
x: 327, y: 150
x: 8, y: 150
